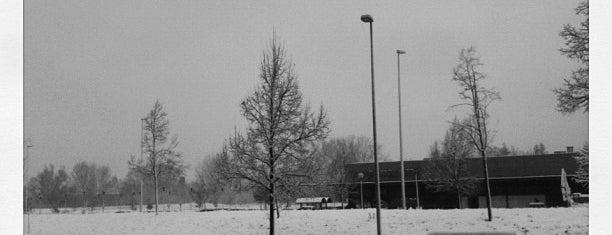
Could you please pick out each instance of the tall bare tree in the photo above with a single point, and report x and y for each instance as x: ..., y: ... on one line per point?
x: 574, y: 94
x: 477, y: 98
x: 447, y: 169
x: 162, y: 158
x: 275, y: 153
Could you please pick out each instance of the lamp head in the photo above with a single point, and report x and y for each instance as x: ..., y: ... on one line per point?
x: 400, y: 52
x: 367, y: 18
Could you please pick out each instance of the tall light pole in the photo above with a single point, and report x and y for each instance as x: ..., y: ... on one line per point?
x: 369, y: 19
x: 399, y: 108
x: 25, y: 174
x: 142, y: 176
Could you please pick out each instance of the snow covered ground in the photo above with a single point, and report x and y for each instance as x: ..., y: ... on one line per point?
x: 355, y: 221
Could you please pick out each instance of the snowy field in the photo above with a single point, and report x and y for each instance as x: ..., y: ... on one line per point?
x: 355, y: 221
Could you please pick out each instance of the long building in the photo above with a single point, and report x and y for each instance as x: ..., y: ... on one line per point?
x: 515, y: 181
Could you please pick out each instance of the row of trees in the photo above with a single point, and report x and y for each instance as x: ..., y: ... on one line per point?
x: 329, y: 176
x: 87, y: 185
x: 504, y: 150
x: 162, y: 164
x: 214, y: 182
x: 56, y: 187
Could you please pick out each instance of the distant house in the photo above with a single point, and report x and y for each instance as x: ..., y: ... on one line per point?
x: 515, y: 181
x: 313, y: 203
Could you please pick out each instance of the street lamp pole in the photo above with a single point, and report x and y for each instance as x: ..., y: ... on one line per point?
x: 142, y: 176
x: 369, y: 19
x: 360, y: 176
x: 399, y: 98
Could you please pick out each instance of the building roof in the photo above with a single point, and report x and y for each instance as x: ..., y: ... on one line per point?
x: 546, y: 165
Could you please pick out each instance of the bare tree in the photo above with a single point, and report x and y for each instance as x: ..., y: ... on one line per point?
x: 103, y: 178
x: 209, y: 180
x: 447, y: 169
x: 84, y: 179
x: 574, y: 94
x: 51, y: 186
x: 103, y: 181
x: 129, y: 186
x: 275, y: 153
x: 336, y: 153
x: 162, y: 157
x: 477, y: 98
x: 539, y: 149
x: 496, y: 151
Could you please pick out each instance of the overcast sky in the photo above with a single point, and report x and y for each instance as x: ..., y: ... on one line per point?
x: 94, y: 68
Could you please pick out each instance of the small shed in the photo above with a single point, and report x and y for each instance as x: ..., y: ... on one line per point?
x: 313, y: 203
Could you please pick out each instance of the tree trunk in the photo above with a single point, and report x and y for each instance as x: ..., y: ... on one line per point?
x: 459, y: 198
x: 271, y: 203
x: 271, y: 197
x: 277, y: 210
x: 486, y: 175
x: 155, y: 178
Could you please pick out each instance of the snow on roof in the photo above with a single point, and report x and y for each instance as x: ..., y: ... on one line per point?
x: 313, y: 200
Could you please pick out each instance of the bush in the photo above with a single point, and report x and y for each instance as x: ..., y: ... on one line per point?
x: 149, y: 206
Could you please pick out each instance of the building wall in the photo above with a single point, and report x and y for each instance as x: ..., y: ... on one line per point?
x: 515, y: 181
x: 505, y: 193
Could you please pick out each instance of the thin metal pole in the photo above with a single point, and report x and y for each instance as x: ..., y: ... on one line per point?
x: 378, y: 229
x: 399, y: 108
x: 361, y: 193
x: 142, y: 176
x: 416, y: 183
